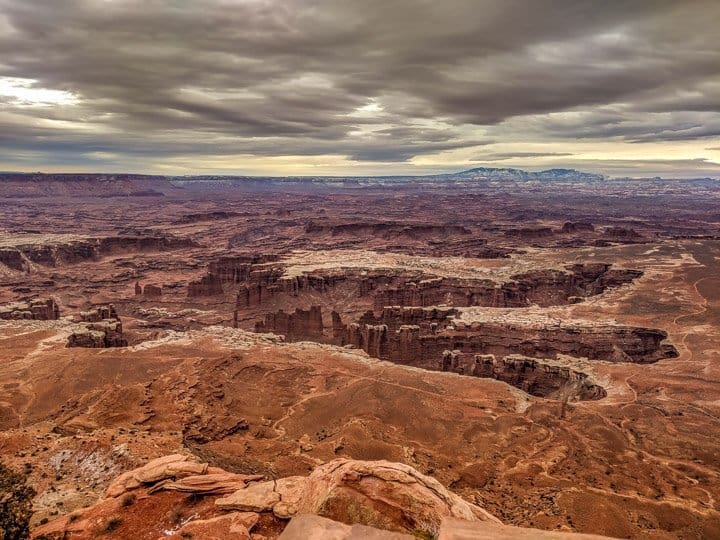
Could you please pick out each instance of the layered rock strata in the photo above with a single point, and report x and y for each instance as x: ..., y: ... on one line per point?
x: 537, y: 378
x: 38, y: 309
x: 103, y: 331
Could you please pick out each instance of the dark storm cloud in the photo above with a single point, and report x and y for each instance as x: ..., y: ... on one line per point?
x: 377, y: 80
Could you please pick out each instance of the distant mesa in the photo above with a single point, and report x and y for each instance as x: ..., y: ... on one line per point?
x: 38, y: 309
x: 32, y: 185
x: 103, y: 331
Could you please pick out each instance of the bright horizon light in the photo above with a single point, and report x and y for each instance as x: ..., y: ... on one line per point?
x: 23, y: 92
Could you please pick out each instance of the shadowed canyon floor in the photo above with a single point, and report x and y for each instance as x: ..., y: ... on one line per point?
x: 549, y: 354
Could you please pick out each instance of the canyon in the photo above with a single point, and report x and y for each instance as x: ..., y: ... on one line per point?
x: 541, y: 350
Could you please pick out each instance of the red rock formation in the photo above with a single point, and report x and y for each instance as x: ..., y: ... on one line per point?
x: 339, y: 330
x: 53, y: 253
x: 542, y: 287
x: 152, y: 291
x: 105, y: 329
x: 621, y: 234
x: 37, y: 309
x: 99, y: 335
x: 530, y: 375
x: 577, y: 226
x: 302, y: 324
x: 343, y: 498
x: 13, y: 258
x: 99, y: 313
x: 411, y: 231
x: 391, y: 496
x: 527, y: 233
x: 372, y: 338
x: 206, y: 216
x: 263, y: 285
x: 237, y: 268
x: 393, y: 336
x: 208, y: 285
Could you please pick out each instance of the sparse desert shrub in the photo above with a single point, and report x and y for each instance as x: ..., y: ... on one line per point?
x: 110, y: 525
x: 422, y: 534
x: 15, y: 504
x: 176, y: 515
x: 127, y: 500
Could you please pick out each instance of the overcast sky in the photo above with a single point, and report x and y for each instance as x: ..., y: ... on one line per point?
x: 360, y: 86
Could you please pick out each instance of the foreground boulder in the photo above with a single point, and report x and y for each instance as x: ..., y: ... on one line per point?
x: 307, y: 526
x: 176, y: 497
x: 381, y: 494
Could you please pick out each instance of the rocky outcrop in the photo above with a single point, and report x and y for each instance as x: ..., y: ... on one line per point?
x: 69, y: 249
x: 537, y: 378
x: 206, y: 216
x: 176, y: 466
x: 613, y: 343
x: 237, y: 268
x: 99, y: 313
x: 308, y: 526
x: 105, y: 329
x: 209, y: 285
x: 131, y: 244
x: 542, y: 287
x: 178, y: 472
x: 395, y: 333
x: 448, y: 247
x: 342, y: 499
x: 386, y: 229
x: 232, y: 526
x: 152, y: 291
x: 302, y: 324
x: 529, y: 233
x: 99, y: 335
x: 380, y: 494
x: 571, y: 227
x: 622, y: 234
x: 262, y: 283
x: 393, y: 336
x: 14, y: 259
x: 246, y: 268
x: 37, y: 309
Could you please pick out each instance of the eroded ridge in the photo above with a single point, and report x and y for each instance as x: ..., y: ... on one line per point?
x: 264, y: 279
x: 427, y: 337
x: 536, y: 377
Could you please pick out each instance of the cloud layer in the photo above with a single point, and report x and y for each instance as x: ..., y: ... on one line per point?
x: 246, y: 85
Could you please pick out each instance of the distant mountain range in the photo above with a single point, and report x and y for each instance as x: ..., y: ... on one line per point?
x: 468, y: 176
x: 491, y: 173
x: 139, y: 185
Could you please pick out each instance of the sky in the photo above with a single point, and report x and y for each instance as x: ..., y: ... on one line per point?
x: 360, y: 87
